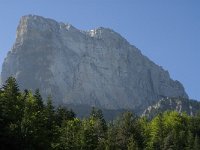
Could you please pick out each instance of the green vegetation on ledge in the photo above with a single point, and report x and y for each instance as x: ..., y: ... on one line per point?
x: 27, y: 123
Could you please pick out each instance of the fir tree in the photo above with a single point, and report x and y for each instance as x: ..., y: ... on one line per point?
x: 39, y: 99
x: 196, y: 143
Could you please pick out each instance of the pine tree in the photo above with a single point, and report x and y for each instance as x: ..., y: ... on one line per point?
x: 33, y: 125
x: 49, y: 113
x: 39, y: 99
x: 196, y: 143
x: 111, y: 141
x: 97, y: 115
x: 132, y: 145
x: 156, y: 133
x: 168, y: 142
x: 190, y: 141
x: 11, y: 113
x: 50, y: 121
x: 69, y: 135
x: 62, y: 114
x: 89, y: 136
x: 100, y: 126
x: 127, y: 127
x: 10, y: 101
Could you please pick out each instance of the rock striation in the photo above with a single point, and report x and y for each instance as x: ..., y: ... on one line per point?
x: 96, y: 68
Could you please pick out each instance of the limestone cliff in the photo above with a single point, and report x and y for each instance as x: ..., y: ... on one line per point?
x: 181, y: 105
x: 97, y: 67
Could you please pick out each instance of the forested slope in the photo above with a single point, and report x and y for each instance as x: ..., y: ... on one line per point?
x: 29, y: 122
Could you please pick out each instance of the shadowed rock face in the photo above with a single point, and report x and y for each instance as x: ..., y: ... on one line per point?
x: 96, y: 67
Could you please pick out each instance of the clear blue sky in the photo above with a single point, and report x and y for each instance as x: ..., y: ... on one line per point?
x: 168, y: 32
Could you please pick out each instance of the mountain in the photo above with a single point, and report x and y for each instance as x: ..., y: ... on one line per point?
x: 95, y: 68
x: 191, y: 107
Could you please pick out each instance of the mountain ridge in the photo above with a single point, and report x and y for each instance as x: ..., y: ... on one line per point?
x: 181, y: 105
x: 97, y: 67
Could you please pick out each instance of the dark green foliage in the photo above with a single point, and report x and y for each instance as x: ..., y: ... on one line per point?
x: 33, y: 125
x: 111, y: 140
x: 11, y: 112
x: 196, y: 143
x: 100, y: 123
x: 168, y: 142
x: 27, y: 123
x: 39, y: 100
x: 69, y: 135
x: 128, y: 131
x: 62, y: 114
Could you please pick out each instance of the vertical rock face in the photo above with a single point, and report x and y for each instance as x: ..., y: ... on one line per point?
x: 96, y: 67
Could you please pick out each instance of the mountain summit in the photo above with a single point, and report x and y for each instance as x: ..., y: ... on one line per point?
x: 96, y: 68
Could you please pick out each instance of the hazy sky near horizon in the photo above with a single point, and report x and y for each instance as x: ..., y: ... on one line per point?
x: 168, y: 32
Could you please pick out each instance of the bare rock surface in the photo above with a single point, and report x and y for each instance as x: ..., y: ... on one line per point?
x: 96, y: 68
x: 181, y: 105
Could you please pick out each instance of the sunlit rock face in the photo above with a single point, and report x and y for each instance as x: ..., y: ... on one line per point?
x: 180, y: 105
x: 97, y: 67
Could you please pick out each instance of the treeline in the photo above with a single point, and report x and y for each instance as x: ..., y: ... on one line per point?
x: 27, y: 123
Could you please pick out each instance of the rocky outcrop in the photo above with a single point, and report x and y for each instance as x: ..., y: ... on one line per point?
x: 181, y: 105
x: 97, y: 67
